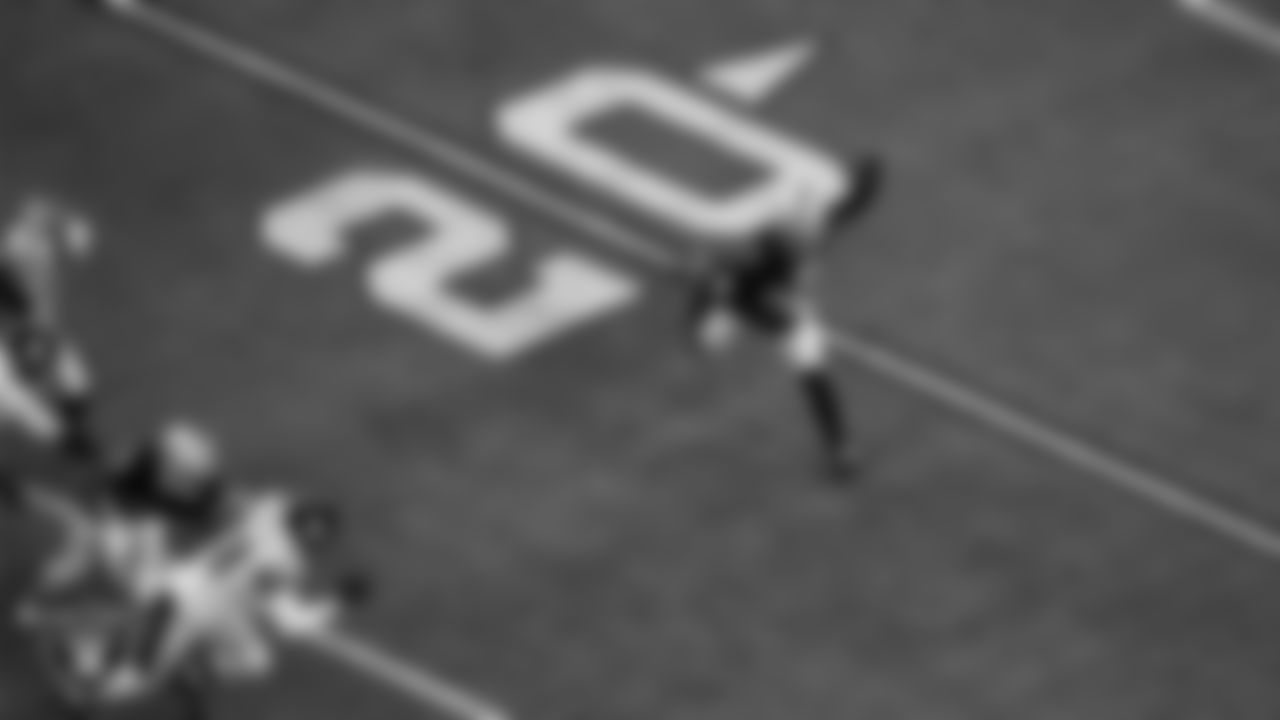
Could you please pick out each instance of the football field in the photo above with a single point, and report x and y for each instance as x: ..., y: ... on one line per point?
x: 425, y: 257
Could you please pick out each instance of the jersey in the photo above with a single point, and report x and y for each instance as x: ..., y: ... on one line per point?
x: 260, y: 548
x: 89, y: 609
x: 139, y: 488
x: 760, y: 282
x: 27, y: 354
x: 223, y: 596
x: 31, y: 256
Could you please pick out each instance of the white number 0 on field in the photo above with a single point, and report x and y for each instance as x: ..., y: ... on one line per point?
x: 458, y: 237
x: 551, y: 123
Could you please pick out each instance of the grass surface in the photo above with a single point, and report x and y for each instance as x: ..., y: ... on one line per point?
x: 1079, y: 221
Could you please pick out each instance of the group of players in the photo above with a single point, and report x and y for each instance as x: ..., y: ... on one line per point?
x: 165, y: 573
x: 167, y: 570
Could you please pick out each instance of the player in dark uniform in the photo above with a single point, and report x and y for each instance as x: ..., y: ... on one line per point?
x: 176, y: 479
x: 766, y: 286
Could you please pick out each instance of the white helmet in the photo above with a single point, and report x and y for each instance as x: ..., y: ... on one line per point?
x: 187, y: 450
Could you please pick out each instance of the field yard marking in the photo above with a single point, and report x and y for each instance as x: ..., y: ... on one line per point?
x: 754, y: 78
x: 552, y: 122
x: 412, y: 679
x: 1162, y: 493
x: 1235, y: 20
x: 453, y: 236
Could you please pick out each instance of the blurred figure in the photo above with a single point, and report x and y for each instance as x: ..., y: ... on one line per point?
x: 766, y: 285
x: 45, y: 384
x: 167, y: 495
x: 215, y: 575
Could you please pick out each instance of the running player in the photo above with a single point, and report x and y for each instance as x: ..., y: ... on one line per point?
x: 766, y: 286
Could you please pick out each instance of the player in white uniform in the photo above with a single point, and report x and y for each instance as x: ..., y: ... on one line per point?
x: 223, y: 605
x: 215, y: 576
x: 222, y: 610
x: 115, y: 548
x: 168, y: 493
x: 45, y: 384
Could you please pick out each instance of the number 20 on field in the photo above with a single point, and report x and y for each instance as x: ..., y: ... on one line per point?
x: 456, y: 235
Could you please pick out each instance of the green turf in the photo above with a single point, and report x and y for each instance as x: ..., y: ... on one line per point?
x: 1078, y: 221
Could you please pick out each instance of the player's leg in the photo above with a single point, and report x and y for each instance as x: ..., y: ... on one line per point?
x: 81, y: 639
x: 237, y: 649
x: 184, y: 602
x: 22, y: 407
x: 72, y: 396
x: 806, y: 349
x: 135, y: 669
x: 42, y: 237
x: 79, y: 549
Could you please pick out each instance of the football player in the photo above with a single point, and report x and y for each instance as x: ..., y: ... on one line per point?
x: 167, y: 495
x: 45, y: 385
x: 216, y: 574
x: 223, y: 608
x: 128, y: 536
x: 244, y: 565
x: 766, y: 286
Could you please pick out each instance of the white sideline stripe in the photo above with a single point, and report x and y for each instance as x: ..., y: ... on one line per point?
x: 411, y: 679
x: 364, y: 115
x: 1235, y: 20
x: 1035, y: 433
x: 1161, y: 492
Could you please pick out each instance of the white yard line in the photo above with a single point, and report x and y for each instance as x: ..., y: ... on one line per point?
x: 1236, y: 20
x: 1151, y: 487
x: 411, y: 679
